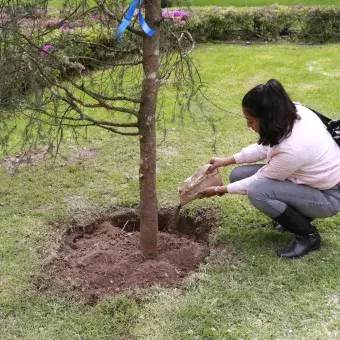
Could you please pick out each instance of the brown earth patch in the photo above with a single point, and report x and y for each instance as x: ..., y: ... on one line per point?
x: 25, y: 158
x: 36, y: 156
x: 103, y: 257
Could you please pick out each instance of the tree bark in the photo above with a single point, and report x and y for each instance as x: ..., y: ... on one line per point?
x: 147, y: 118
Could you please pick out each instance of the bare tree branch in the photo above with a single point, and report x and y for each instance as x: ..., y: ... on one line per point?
x: 98, y: 96
x: 182, y: 55
x: 101, y: 99
x: 119, y: 132
x: 93, y: 121
x: 83, y: 116
x: 134, y: 63
x: 72, y: 98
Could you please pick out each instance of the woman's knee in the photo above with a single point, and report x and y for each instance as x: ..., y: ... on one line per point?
x: 235, y: 175
x: 257, y: 190
x: 262, y: 192
x: 244, y: 171
x: 259, y: 195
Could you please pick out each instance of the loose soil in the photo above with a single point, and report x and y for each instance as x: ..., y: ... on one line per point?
x: 103, y: 258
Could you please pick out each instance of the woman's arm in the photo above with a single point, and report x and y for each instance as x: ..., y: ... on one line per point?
x: 280, y: 167
x: 251, y: 154
x: 220, y: 162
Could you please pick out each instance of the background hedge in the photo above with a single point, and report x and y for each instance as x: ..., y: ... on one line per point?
x: 89, y: 38
x: 272, y: 23
x: 301, y: 24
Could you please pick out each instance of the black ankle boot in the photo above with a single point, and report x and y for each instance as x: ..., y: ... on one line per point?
x: 302, y: 245
x: 307, y: 237
x: 281, y: 229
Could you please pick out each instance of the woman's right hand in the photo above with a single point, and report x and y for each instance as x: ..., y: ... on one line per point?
x: 216, y: 163
x: 219, y: 162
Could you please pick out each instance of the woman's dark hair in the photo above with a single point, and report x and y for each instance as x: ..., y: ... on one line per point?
x: 277, y: 113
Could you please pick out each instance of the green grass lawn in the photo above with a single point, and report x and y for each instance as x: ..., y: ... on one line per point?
x: 240, y: 3
x: 249, y: 294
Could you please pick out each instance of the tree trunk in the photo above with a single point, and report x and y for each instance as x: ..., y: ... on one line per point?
x: 147, y: 118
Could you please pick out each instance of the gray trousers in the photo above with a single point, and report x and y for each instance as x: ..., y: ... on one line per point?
x: 272, y: 197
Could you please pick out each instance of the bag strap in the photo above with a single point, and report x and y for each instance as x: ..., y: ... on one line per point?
x: 333, y: 126
x: 323, y: 118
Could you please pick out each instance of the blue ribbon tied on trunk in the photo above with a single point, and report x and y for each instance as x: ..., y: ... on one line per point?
x: 128, y: 18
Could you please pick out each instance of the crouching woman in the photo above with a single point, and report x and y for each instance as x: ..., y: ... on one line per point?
x: 300, y: 180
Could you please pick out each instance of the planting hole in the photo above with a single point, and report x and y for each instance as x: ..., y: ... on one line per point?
x: 103, y: 257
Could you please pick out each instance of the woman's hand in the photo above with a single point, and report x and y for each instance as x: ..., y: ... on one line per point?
x: 212, y: 191
x: 219, y: 162
x: 216, y: 163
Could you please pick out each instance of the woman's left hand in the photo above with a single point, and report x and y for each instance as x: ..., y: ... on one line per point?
x: 207, y: 192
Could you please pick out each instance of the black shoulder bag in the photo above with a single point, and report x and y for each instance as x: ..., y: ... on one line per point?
x: 333, y: 126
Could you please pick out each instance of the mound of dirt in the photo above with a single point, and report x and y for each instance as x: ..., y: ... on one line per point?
x: 105, y: 259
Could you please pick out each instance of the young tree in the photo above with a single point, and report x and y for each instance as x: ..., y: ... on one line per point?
x: 67, y: 70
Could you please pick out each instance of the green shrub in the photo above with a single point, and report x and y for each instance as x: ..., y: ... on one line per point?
x: 166, y: 3
x: 321, y: 24
x: 298, y: 23
x: 271, y: 23
x: 87, y: 43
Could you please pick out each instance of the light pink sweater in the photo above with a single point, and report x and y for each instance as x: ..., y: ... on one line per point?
x: 308, y: 156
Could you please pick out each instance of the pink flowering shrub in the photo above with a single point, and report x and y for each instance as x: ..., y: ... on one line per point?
x: 95, y: 16
x: 45, y: 49
x: 65, y: 27
x: 50, y: 23
x: 178, y: 16
x: 4, y: 18
x: 57, y: 31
